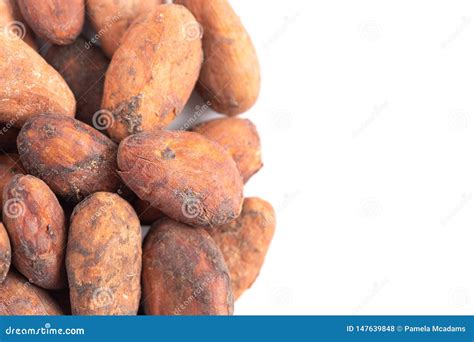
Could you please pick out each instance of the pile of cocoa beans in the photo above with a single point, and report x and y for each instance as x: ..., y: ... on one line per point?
x: 88, y: 90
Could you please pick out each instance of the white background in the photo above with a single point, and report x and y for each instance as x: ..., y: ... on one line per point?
x: 365, y: 116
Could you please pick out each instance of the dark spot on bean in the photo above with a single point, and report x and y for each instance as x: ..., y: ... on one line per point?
x: 168, y: 154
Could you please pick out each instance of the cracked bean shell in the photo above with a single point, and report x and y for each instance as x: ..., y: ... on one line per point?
x: 104, y: 256
x: 230, y: 74
x: 28, y: 85
x: 184, y: 272
x: 57, y: 21
x: 36, y: 225
x: 185, y: 175
x: 240, y: 138
x: 5, y: 253
x: 10, y: 16
x: 22, y: 298
x: 74, y: 159
x: 153, y: 72
x: 244, y: 242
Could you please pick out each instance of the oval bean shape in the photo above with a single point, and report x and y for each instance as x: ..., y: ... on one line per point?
x: 114, y: 17
x: 28, y: 85
x: 230, y: 74
x: 184, y: 272
x: 152, y: 73
x: 10, y: 16
x: 188, y: 177
x: 245, y: 241
x: 57, y: 21
x: 37, y: 228
x: 74, y: 159
x: 103, y: 258
x: 240, y: 138
x: 20, y: 297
